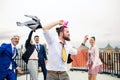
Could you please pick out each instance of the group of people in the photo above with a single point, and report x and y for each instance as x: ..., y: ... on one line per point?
x: 54, y: 65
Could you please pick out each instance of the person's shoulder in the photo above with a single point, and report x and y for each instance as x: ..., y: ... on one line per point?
x: 68, y: 43
x: 42, y: 45
x: 95, y: 47
x: 4, y: 45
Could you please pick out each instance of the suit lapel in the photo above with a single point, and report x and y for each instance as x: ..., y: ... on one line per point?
x: 40, y: 48
x: 9, y: 49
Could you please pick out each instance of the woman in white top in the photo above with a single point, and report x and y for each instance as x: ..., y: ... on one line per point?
x: 94, y: 62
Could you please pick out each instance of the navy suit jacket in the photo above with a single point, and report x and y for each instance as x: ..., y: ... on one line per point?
x: 6, y: 57
x: 42, y: 55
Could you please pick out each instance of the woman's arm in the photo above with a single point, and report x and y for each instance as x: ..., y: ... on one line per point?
x: 82, y: 44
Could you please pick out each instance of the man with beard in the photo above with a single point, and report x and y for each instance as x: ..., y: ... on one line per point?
x: 58, y: 51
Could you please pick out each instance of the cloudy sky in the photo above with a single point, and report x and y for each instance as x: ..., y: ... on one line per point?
x: 99, y: 18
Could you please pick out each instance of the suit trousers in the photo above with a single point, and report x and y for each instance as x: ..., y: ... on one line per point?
x: 9, y: 75
x: 57, y: 76
x: 33, y: 69
x: 43, y: 66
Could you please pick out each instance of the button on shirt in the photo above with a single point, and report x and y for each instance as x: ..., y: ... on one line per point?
x: 55, y: 61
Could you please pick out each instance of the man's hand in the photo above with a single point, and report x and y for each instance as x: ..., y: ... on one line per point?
x: 61, y: 22
x: 53, y: 24
x: 39, y: 69
x: 34, y: 30
x: 46, y: 61
x: 20, y: 70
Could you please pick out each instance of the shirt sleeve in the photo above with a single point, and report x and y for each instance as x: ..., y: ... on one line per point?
x: 72, y: 50
x: 2, y: 48
x: 48, y: 37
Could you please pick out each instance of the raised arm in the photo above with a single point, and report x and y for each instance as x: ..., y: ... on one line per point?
x: 51, y: 25
x: 28, y: 40
x: 83, y: 43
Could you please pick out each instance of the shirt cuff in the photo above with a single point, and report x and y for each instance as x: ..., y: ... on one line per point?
x: 82, y: 44
x: 17, y: 67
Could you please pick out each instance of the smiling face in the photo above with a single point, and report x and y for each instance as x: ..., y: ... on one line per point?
x: 92, y: 41
x: 36, y: 38
x: 15, y: 40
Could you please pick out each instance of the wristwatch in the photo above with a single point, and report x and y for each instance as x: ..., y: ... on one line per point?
x: 82, y: 44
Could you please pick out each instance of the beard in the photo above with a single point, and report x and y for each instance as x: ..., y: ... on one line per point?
x: 66, y: 38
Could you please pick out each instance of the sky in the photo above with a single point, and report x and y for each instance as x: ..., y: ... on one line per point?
x: 99, y: 18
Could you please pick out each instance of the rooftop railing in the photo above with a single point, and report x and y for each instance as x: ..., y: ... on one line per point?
x: 111, y: 64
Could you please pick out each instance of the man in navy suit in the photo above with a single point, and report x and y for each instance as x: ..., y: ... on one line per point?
x: 41, y: 55
x: 8, y: 52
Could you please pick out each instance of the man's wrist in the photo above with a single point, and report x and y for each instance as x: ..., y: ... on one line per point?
x: 17, y: 67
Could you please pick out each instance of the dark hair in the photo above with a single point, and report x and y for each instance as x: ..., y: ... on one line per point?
x: 60, y: 29
x: 93, y: 37
x: 36, y: 36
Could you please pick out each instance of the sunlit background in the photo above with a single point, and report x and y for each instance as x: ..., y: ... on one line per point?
x: 99, y: 18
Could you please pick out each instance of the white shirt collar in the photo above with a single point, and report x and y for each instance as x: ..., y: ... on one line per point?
x: 12, y: 45
x: 59, y: 41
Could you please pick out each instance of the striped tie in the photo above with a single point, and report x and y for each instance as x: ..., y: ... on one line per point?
x: 37, y: 47
x: 14, y: 51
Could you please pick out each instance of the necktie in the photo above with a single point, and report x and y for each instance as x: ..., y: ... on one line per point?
x: 37, y: 47
x: 14, y: 51
x: 64, y: 58
x: 13, y: 56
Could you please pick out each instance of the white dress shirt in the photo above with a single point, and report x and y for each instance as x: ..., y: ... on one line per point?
x: 34, y: 55
x: 55, y: 61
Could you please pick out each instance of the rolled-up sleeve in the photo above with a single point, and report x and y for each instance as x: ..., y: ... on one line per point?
x: 72, y: 50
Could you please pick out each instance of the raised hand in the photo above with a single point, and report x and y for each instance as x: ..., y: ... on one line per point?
x: 85, y: 39
x: 61, y: 22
